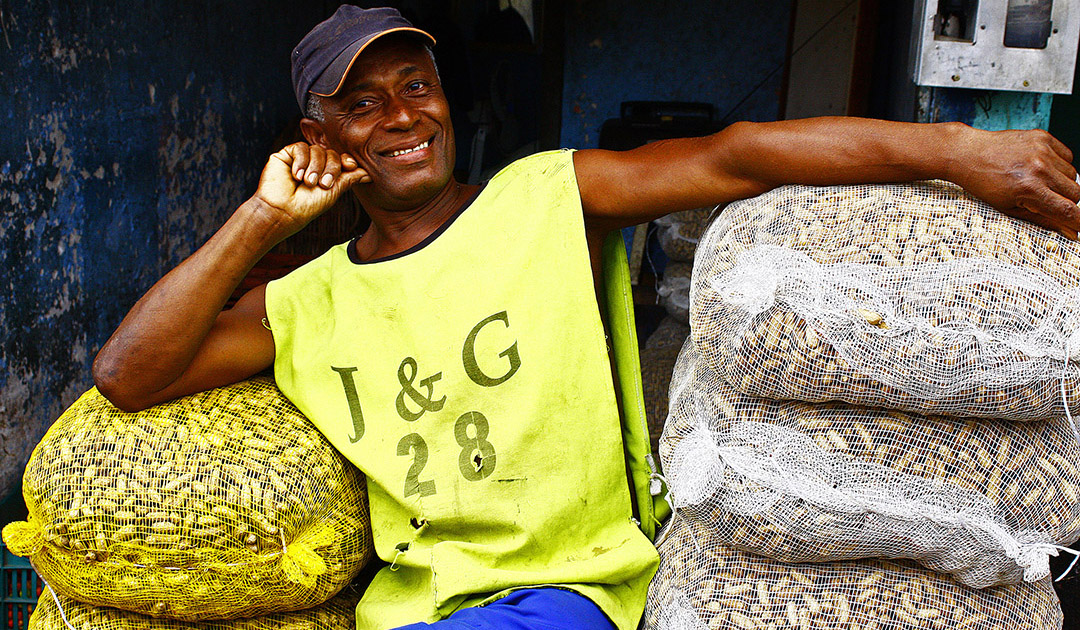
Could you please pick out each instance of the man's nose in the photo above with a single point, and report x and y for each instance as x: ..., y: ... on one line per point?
x: 401, y: 114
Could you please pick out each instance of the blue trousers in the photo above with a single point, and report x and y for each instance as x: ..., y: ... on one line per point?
x: 527, y: 609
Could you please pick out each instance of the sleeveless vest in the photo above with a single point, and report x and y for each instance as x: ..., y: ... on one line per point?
x: 468, y: 378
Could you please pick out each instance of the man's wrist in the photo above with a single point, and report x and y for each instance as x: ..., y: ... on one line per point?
x: 262, y: 224
x: 954, y: 139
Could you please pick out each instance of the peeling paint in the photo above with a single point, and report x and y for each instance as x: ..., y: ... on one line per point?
x: 119, y: 162
x: 985, y: 109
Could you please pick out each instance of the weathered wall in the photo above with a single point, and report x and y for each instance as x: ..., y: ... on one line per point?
x: 671, y: 50
x: 984, y: 109
x: 130, y: 132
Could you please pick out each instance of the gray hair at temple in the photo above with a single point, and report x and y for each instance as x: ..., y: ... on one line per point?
x: 313, y: 108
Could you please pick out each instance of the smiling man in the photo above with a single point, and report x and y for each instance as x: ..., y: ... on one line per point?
x: 455, y: 350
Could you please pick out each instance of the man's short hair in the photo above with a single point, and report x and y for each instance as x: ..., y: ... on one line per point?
x: 313, y: 108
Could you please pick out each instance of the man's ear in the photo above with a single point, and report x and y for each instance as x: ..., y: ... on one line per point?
x: 313, y: 132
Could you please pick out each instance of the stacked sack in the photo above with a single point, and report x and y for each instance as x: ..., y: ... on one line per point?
x: 875, y: 374
x: 213, y: 510
x: 678, y: 234
x: 658, y: 358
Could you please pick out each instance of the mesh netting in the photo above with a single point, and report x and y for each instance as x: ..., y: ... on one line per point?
x: 702, y: 585
x: 657, y: 363
x: 338, y: 613
x: 845, y: 293
x: 803, y: 482
x: 680, y: 232
x: 673, y: 291
x: 223, y: 504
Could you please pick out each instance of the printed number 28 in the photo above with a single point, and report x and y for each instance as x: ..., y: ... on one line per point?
x: 477, y: 458
x: 413, y: 442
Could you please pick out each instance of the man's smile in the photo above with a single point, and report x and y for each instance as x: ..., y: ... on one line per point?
x: 422, y: 145
x: 414, y: 151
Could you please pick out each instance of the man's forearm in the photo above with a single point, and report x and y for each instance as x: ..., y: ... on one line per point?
x: 161, y: 334
x: 840, y: 150
x: 1028, y: 174
x: 1024, y: 173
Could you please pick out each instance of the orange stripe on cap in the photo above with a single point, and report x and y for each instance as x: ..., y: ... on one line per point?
x: 361, y: 49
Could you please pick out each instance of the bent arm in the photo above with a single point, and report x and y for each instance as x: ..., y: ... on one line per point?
x: 176, y: 340
x: 1023, y: 173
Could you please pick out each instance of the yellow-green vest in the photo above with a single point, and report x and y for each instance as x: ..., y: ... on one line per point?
x: 468, y: 378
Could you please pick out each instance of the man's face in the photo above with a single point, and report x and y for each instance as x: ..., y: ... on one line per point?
x: 391, y: 115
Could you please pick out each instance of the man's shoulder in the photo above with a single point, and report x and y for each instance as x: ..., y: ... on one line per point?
x: 544, y: 162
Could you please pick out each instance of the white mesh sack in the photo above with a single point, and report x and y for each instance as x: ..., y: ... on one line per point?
x: 680, y: 232
x: 673, y: 291
x: 914, y: 297
x: 985, y: 500
x: 657, y: 362
x: 702, y: 585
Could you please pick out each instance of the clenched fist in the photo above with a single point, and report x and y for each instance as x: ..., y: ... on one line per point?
x: 302, y: 181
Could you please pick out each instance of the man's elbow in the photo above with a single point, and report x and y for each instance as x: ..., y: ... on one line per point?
x: 739, y: 159
x: 109, y: 380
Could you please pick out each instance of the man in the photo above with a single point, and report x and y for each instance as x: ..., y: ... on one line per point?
x: 454, y: 351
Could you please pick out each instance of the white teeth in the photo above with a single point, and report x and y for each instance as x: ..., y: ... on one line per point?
x: 422, y: 145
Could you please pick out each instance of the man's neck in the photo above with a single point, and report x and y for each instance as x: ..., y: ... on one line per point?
x: 394, y: 231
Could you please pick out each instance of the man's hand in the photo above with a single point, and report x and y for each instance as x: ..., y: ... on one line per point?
x: 302, y: 181
x: 1025, y: 174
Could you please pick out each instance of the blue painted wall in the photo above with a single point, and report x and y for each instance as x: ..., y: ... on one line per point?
x: 992, y: 110
x: 131, y: 130
x: 671, y: 50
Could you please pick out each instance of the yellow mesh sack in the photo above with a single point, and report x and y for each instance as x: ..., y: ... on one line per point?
x: 336, y: 614
x: 224, y: 504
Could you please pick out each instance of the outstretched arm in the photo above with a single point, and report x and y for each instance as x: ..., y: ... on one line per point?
x: 176, y: 340
x: 1027, y: 174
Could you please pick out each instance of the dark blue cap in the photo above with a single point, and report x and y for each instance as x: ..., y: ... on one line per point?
x: 322, y: 59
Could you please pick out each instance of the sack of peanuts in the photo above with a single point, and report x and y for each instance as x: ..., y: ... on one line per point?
x: 680, y: 232
x: 702, y: 585
x: 673, y: 290
x: 988, y: 501
x: 220, y: 505
x: 657, y: 363
x: 914, y: 297
x: 64, y: 613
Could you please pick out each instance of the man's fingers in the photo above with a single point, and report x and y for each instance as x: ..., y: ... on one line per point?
x: 1031, y: 217
x: 299, y: 154
x: 331, y: 170
x: 350, y: 167
x: 1062, y: 163
x: 1059, y: 148
x: 1054, y: 213
x: 1065, y: 213
x: 355, y: 176
x: 317, y: 157
x: 1065, y: 185
x: 1067, y: 173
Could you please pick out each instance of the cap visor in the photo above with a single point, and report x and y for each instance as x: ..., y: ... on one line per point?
x: 343, y: 63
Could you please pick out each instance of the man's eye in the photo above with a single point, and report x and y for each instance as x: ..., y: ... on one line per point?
x: 417, y: 85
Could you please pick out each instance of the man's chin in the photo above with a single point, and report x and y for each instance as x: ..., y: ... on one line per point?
x: 406, y: 195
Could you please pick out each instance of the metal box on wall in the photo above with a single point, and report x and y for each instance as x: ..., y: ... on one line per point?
x: 1016, y: 45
